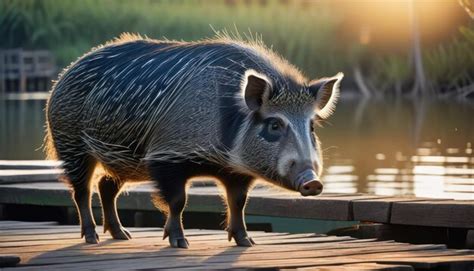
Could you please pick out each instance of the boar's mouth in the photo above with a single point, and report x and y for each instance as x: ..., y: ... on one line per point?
x: 308, y: 183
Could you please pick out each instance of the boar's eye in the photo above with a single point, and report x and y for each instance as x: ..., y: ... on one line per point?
x: 274, y: 126
x: 273, y: 129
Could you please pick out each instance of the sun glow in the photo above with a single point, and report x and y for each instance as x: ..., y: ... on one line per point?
x: 388, y: 24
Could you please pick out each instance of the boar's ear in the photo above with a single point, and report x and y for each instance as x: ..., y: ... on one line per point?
x: 256, y: 89
x: 326, y: 92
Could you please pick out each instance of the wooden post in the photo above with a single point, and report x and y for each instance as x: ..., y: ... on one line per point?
x: 470, y: 239
x: 457, y: 238
x: 72, y: 217
x: 21, y: 71
x: 2, y: 73
x: 139, y: 219
x: 2, y: 212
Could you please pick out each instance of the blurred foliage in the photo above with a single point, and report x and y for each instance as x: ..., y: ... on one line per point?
x: 70, y: 28
x: 390, y: 72
x: 305, y: 34
x: 450, y: 66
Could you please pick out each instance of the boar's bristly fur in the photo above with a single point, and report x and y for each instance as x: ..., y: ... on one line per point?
x: 168, y: 111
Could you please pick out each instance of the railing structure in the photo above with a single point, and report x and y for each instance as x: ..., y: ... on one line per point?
x: 26, y: 71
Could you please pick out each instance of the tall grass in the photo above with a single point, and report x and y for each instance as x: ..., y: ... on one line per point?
x: 451, y: 66
x: 304, y: 32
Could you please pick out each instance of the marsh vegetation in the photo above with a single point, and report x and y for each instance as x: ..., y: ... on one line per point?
x: 371, y: 43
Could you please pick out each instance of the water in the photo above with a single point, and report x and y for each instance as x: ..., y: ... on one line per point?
x: 403, y: 147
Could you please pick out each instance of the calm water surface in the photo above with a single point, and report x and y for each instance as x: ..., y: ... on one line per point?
x: 403, y: 147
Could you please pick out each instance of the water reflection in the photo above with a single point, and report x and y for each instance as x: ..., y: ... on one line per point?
x: 421, y: 148
x: 401, y: 149
x: 21, y: 129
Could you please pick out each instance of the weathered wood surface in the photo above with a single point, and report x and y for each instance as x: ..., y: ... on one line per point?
x: 36, y: 183
x: 9, y: 176
x: 450, y: 213
x: 271, y: 202
x: 45, y: 246
x: 29, y: 164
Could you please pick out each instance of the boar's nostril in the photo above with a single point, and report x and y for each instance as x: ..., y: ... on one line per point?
x: 308, y: 183
x: 313, y: 187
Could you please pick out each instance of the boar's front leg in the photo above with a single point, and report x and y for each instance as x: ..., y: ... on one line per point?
x: 171, y: 179
x: 237, y: 188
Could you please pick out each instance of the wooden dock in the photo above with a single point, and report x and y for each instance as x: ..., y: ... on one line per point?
x: 405, y: 219
x: 40, y: 189
x: 47, y: 246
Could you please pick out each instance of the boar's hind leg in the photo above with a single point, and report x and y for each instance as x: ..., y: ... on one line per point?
x: 237, y: 188
x: 79, y: 172
x: 109, y: 190
x: 171, y: 180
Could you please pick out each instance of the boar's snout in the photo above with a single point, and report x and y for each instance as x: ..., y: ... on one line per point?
x: 309, y: 184
x: 311, y: 188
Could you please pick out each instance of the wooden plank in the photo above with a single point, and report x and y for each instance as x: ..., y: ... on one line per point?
x: 440, y: 262
x: 224, y: 251
x: 416, y: 259
x: 118, y: 246
x: 146, y: 234
x: 29, y: 164
x: 210, y: 250
x: 442, y: 212
x: 105, y: 251
x: 219, y: 255
x: 451, y: 213
x: 35, y: 230
x: 360, y: 266
x: 20, y: 226
x: 346, y: 267
x: 13, y: 223
x: 372, y: 254
x: 32, y: 229
x: 276, y: 204
x: 56, y: 194
x: 264, y: 261
x: 158, y: 240
x: 11, y: 176
x: 26, y: 255
x: 377, y: 210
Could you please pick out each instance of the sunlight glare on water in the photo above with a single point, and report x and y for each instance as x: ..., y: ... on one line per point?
x: 396, y: 151
x: 426, y: 175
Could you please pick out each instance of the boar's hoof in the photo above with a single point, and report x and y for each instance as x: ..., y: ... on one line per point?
x: 241, y: 238
x: 176, y: 238
x: 245, y: 242
x: 91, y: 237
x: 120, y: 234
x: 179, y: 242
